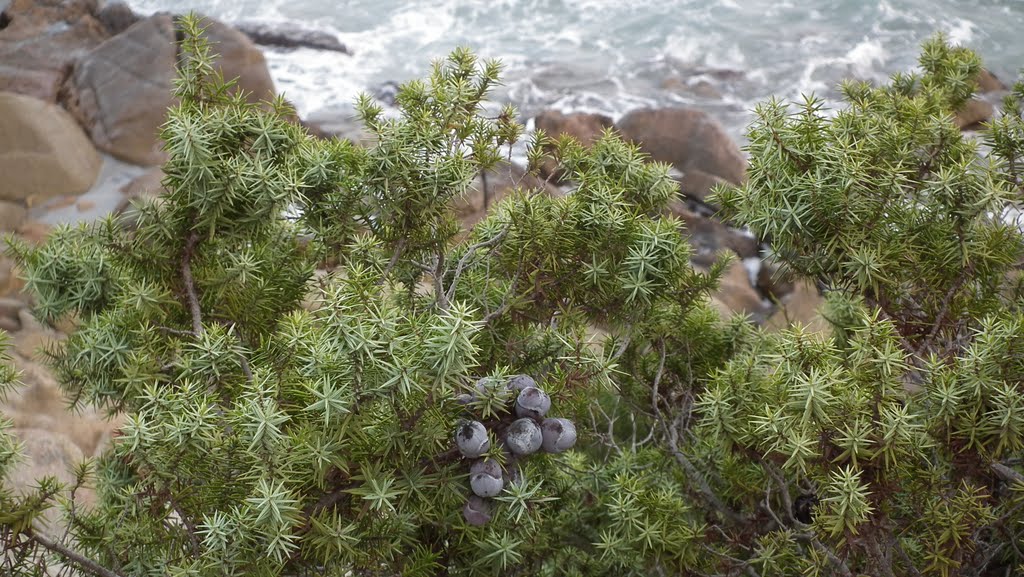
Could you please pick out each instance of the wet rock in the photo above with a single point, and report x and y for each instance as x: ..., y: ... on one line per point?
x: 290, y: 35
x: 773, y: 281
x: 40, y: 40
x: 688, y: 139
x: 583, y: 126
x: 989, y: 82
x: 337, y: 122
x: 43, y: 152
x: 117, y: 17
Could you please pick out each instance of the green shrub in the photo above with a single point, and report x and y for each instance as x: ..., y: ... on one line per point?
x: 280, y: 422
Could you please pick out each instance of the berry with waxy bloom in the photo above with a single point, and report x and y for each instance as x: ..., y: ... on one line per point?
x: 532, y: 402
x: 559, y: 435
x: 471, y: 438
x: 523, y: 437
x: 477, y: 511
x: 485, y: 478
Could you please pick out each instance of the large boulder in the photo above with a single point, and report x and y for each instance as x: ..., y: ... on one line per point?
x: 121, y: 90
x: 583, y: 126
x: 39, y: 39
x: 690, y: 140
x: 238, y: 57
x: 43, y: 152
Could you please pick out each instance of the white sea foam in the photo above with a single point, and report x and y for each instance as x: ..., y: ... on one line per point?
x: 610, y: 56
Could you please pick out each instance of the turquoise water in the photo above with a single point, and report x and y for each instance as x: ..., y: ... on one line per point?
x: 613, y: 55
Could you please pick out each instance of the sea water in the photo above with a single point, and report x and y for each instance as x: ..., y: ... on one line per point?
x: 610, y: 56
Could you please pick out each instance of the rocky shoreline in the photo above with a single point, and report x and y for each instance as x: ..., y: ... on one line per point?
x: 84, y: 89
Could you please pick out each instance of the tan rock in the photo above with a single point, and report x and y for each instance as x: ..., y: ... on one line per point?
x: 238, y: 57
x: 40, y: 41
x: 121, y: 90
x: 689, y: 139
x: 33, y: 337
x: 800, y: 307
x: 35, y: 232
x: 43, y: 152
x: 10, y: 309
x: 39, y: 403
x: 989, y: 82
x: 583, y: 126
x: 474, y: 205
x: 10, y: 281
x: 973, y: 113
x: 12, y: 214
x: 48, y: 454
x: 735, y: 294
x: 708, y: 236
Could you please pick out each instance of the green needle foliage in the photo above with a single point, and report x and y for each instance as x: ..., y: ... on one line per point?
x: 283, y: 422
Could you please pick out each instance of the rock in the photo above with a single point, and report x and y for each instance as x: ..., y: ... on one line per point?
x: 973, y: 113
x: 34, y: 232
x: 33, y: 337
x: 386, y: 92
x: 10, y: 318
x: 800, y: 307
x: 736, y: 295
x: 239, y: 58
x: 12, y: 214
x: 338, y: 122
x: 146, y: 184
x: 10, y: 283
x: 773, y: 282
x: 697, y: 184
x: 40, y: 404
x: 688, y: 139
x: 473, y: 206
x: 708, y: 236
x: 117, y: 17
x: 40, y: 40
x: 290, y: 35
x: 121, y: 90
x: 43, y: 152
x: 584, y: 127
x: 988, y: 82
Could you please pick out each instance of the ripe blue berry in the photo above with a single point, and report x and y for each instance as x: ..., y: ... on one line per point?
x: 559, y: 435
x: 532, y: 402
x: 523, y: 437
x: 471, y: 438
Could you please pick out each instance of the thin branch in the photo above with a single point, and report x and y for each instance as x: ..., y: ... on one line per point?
x: 840, y: 565
x: 470, y: 253
x: 1007, y: 474
x: 944, y: 309
x: 190, y: 528
x: 394, y: 260
x: 190, y: 287
x: 73, y: 556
